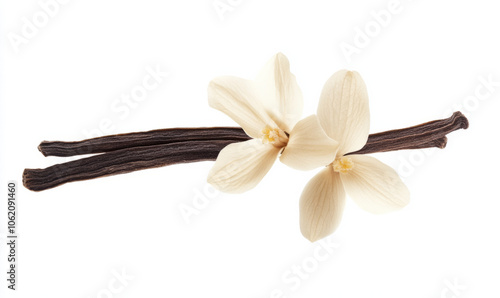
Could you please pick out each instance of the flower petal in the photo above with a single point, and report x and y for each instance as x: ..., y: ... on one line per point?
x: 375, y: 186
x: 343, y: 110
x: 280, y: 91
x: 308, y: 146
x: 241, y: 166
x: 321, y: 205
x: 239, y: 99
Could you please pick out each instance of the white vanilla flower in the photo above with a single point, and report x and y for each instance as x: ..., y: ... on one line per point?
x: 268, y: 109
x: 344, y: 114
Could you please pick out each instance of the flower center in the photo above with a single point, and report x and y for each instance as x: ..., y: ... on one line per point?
x: 343, y: 165
x: 274, y: 136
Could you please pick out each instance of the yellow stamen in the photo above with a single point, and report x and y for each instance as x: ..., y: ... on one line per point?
x: 274, y: 136
x: 343, y: 165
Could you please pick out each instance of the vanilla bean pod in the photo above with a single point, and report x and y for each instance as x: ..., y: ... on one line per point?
x: 425, y: 135
x: 137, y: 139
x: 133, y: 159
x: 122, y: 161
x: 414, y: 137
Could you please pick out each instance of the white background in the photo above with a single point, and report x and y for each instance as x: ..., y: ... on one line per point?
x: 426, y: 60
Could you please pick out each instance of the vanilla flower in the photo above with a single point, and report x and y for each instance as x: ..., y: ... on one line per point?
x: 344, y: 114
x: 268, y: 109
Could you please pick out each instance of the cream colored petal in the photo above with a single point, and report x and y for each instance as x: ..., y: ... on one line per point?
x: 375, y: 186
x: 241, y: 166
x: 343, y: 110
x: 308, y: 146
x: 239, y: 99
x: 280, y: 92
x: 321, y: 205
